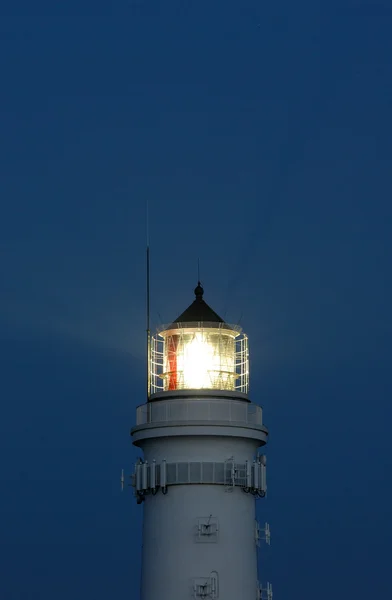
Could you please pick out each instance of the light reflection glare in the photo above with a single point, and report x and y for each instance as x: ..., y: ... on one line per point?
x: 199, y: 358
x: 197, y: 361
x: 205, y: 360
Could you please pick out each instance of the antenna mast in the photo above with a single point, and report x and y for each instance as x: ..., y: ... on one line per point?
x: 148, y: 382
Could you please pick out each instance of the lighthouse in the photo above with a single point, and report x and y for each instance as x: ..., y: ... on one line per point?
x: 201, y: 470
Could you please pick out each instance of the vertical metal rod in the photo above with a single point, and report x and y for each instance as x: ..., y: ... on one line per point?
x: 148, y: 381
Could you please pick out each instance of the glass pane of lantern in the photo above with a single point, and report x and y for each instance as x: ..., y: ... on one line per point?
x: 199, y: 359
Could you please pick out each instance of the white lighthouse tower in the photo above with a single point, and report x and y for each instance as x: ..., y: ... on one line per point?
x: 201, y: 472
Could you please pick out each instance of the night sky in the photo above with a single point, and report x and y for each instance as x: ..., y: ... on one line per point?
x: 260, y: 134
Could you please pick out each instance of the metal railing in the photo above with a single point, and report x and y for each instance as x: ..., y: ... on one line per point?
x: 163, y: 411
x: 251, y: 475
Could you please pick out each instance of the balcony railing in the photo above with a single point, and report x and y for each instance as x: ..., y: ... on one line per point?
x: 224, y: 410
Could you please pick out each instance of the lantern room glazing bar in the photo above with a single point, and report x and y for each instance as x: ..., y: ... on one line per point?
x: 201, y: 357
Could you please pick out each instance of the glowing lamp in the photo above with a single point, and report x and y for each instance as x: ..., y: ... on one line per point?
x: 199, y: 351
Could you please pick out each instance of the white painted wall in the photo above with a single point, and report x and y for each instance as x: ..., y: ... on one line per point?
x: 193, y: 448
x: 171, y: 556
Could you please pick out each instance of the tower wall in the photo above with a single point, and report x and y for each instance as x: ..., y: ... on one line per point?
x: 173, y: 557
x: 178, y: 557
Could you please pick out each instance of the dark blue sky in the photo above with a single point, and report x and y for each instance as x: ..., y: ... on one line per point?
x: 260, y: 133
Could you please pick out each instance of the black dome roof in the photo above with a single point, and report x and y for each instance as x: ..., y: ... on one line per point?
x: 199, y: 311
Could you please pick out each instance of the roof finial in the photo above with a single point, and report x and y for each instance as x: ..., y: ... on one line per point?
x: 199, y: 291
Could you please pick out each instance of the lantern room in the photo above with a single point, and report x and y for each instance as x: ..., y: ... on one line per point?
x: 199, y: 351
